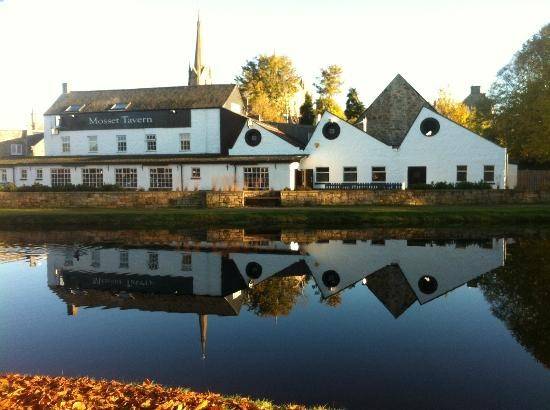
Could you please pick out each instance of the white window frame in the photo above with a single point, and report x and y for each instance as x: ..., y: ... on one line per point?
x: 379, y: 174
x: 186, y: 262
x: 160, y: 178
x: 185, y: 142
x: 121, y: 144
x: 320, y: 171
x: 92, y: 177
x: 24, y: 174
x: 60, y: 176
x: 349, y: 172
x: 151, y: 142
x: 488, y: 169
x: 256, y: 178
x: 195, y: 173
x: 93, y: 145
x: 65, y: 143
x: 16, y: 149
x: 123, y: 259
x: 126, y: 177
x: 462, y: 170
x: 39, y: 174
x: 3, y: 176
x: 153, y: 260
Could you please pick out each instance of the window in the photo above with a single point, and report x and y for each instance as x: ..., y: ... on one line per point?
x: 253, y: 137
x: 153, y: 262
x: 39, y: 174
x: 119, y: 106
x: 195, y: 173
x: 3, y: 176
x: 74, y: 108
x: 160, y: 178
x: 151, y: 142
x: 126, y: 177
x: 92, y: 143
x: 429, y: 127
x: 65, y: 144
x: 92, y: 177
x: 461, y: 173
x: 350, y: 174
x: 121, y: 143
x: 256, y: 178
x: 24, y: 174
x: 123, y: 260
x: 96, y: 258
x: 16, y: 149
x: 331, y: 130
x: 489, y: 173
x: 185, y: 142
x: 61, y: 176
x: 186, y: 262
x: 378, y: 174
x: 322, y: 174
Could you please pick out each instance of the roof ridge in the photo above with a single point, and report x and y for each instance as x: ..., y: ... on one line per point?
x: 152, y: 88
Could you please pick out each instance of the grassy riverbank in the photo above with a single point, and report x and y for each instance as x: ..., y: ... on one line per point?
x: 353, y: 216
x: 21, y: 391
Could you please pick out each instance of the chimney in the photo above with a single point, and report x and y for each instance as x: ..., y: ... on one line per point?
x: 65, y: 88
x: 475, y: 89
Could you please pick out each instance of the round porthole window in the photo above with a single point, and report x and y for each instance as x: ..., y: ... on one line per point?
x: 331, y: 130
x: 331, y: 279
x: 253, y: 137
x: 253, y: 270
x: 427, y: 284
x: 429, y: 127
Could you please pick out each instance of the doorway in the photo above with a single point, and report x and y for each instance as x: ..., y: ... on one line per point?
x: 416, y: 176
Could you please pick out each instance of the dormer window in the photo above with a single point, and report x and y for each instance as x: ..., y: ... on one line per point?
x: 74, y: 107
x: 119, y: 106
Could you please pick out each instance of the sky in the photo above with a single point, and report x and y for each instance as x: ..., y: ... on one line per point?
x: 107, y: 44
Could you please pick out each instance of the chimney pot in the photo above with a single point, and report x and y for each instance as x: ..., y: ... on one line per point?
x: 65, y: 88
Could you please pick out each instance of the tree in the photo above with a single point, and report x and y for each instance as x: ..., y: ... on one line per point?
x: 460, y: 113
x: 354, y: 106
x: 328, y: 87
x: 307, y: 113
x: 275, y: 296
x: 521, y: 94
x: 268, y: 83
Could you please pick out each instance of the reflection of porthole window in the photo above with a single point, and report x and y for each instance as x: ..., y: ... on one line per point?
x: 429, y: 127
x: 253, y: 270
x: 331, y: 279
x: 331, y: 130
x: 427, y: 284
x: 253, y: 137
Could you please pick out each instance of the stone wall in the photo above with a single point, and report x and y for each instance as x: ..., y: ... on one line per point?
x: 411, y: 197
x: 159, y: 199
x: 224, y: 199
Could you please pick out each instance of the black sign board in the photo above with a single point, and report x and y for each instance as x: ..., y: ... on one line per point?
x: 126, y: 120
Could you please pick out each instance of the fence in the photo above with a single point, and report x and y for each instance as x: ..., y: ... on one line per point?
x: 533, y: 180
x: 373, y: 186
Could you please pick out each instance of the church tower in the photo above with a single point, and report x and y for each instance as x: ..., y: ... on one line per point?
x: 199, y: 74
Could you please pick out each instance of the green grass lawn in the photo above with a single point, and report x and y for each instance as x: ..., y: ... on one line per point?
x: 352, y: 216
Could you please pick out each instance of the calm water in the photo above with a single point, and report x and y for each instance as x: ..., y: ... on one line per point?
x: 351, y: 319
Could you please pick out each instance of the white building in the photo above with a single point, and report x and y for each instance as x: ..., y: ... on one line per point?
x: 197, y: 137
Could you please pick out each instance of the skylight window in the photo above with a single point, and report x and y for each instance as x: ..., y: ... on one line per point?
x: 74, y: 107
x: 119, y: 106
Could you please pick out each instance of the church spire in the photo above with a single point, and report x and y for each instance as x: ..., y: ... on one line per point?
x: 199, y: 74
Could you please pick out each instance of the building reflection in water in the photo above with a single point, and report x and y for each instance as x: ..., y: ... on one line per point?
x: 216, y: 279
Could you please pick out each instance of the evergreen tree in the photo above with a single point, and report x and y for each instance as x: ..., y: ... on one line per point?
x: 328, y: 87
x: 354, y: 106
x: 307, y: 113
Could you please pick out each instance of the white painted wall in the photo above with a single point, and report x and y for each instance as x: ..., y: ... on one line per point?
x: 512, y: 176
x: 204, y: 130
x: 271, y: 144
x: 453, y: 145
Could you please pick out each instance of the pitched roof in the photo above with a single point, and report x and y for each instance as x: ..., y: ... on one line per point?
x: 392, y: 113
x: 301, y: 133
x: 146, y: 99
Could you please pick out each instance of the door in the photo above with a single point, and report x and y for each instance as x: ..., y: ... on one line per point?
x: 416, y: 176
x: 309, y: 178
x: 298, y: 179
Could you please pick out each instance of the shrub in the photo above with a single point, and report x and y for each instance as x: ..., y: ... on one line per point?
x: 450, y: 185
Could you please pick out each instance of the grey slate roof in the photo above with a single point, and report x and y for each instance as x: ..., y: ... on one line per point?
x: 392, y: 113
x: 300, y: 133
x: 146, y: 99
x: 27, y: 142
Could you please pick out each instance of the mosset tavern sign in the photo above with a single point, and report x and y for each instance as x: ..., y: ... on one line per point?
x: 125, y: 119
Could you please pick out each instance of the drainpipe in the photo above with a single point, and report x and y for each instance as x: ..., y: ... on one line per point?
x: 181, y: 177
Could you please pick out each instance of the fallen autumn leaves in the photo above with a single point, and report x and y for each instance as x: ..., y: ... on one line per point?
x: 36, y: 392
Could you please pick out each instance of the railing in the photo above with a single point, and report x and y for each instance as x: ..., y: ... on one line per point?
x: 362, y: 185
